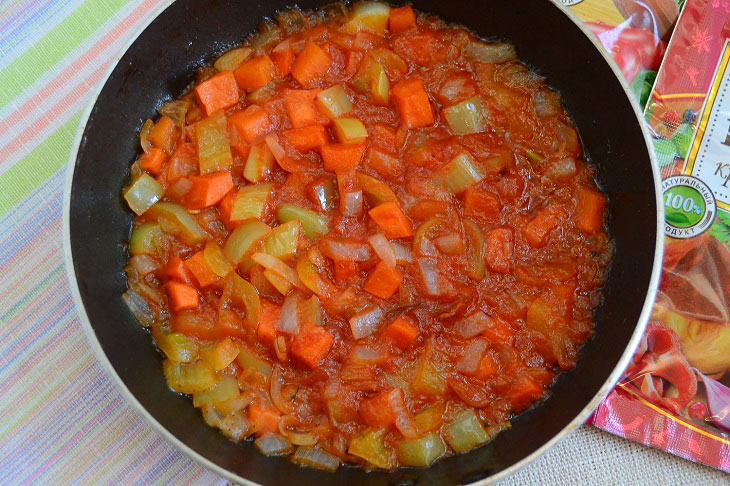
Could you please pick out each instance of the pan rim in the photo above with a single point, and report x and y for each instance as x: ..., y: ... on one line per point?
x: 579, y: 419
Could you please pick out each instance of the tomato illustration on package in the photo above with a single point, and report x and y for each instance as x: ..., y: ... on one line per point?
x: 634, y: 32
x: 675, y: 395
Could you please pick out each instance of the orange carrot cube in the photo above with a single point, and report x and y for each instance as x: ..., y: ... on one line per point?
x: 218, y: 92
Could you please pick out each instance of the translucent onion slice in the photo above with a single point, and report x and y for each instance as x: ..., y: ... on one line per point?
x: 315, y: 457
x: 345, y: 249
x: 144, y: 264
x: 403, y: 254
x: 284, y: 405
x: 273, y: 445
x: 275, y: 265
x: 383, y: 249
x: 144, y: 135
x: 138, y: 307
x: 289, y: 318
x: 365, y: 322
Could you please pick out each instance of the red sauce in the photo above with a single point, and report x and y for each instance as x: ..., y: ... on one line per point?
x: 393, y: 242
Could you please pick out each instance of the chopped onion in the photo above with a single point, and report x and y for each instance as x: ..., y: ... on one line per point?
x: 144, y: 135
x: 211, y: 415
x: 366, y: 355
x: 345, y: 249
x: 430, y: 274
x: 547, y: 102
x: 144, y: 264
x: 561, y: 169
x: 276, y: 265
x: 289, y: 319
x: 316, y: 457
x: 280, y: 349
x: 284, y: 405
x: 473, y: 353
x: 383, y: 249
x: 138, y: 307
x: 494, y: 52
x: 296, y: 437
x: 450, y: 244
x: 175, y: 110
x: 273, y: 445
x: 178, y: 190
x: 235, y: 427
x: 365, y: 322
x: 402, y: 253
x: 216, y: 259
x: 472, y: 325
x: 351, y: 203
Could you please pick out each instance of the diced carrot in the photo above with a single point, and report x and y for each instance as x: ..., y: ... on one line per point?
x: 268, y: 323
x: 401, y: 331
x: 345, y: 271
x: 589, y: 210
x: 391, y: 220
x: 238, y: 143
x: 498, y: 331
x: 383, y: 163
x: 388, y: 409
x: 538, y: 229
x: 311, y: 64
x: 283, y: 57
x: 163, y: 134
x: 202, y: 273
x: 251, y: 123
x: 263, y: 419
x: 383, y: 281
x: 401, y: 18
x: 175, y: 269
x: 376, y: 411
x: 153, y: 160
x: 478, y: 202
x: 218, y: 92
x: 429, y: 208
x: 183, y: 162
x: 181, y: 296
x: 412, y: 101
x: 255, y: 73
x: 487, y: 368
x: 383, y: 137
x: 300, y: 107
x: 207, y: 190
x: 352, y: 62
x: 225, y: 208
x: 523, y: 392
x: 306, y: 138
x: 311, y: 345
x: 342, y: 157
x: 500, y: 244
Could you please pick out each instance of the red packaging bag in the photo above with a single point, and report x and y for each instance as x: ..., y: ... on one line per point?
x: 675, y: 395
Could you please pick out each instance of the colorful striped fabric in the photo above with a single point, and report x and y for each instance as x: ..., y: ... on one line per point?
x: 61, y: 419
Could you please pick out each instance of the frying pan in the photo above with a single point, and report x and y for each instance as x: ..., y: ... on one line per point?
x: 160, y: 63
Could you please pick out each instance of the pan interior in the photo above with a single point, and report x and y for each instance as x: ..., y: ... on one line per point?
x: 161, y: 63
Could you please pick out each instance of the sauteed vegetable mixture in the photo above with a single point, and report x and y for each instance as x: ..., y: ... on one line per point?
x: 365, y: 236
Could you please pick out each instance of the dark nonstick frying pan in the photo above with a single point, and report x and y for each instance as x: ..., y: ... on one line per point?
x: 161, y: 62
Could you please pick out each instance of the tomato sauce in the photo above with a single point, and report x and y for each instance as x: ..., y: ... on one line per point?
x: 365, y: 237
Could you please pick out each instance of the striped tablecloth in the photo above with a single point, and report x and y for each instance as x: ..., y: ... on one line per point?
x: 61, y: 419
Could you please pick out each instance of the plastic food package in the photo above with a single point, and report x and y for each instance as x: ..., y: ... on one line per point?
x: 634, y: 32
x: 675, y: 394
